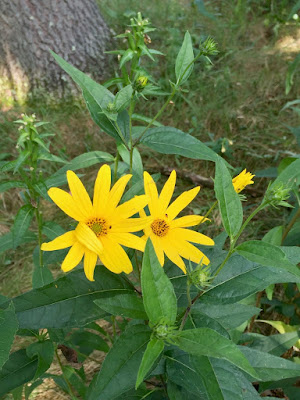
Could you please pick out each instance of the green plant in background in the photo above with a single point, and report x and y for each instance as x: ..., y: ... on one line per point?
x: 173, y: 335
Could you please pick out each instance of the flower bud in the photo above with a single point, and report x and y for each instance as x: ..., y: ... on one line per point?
x: 277, y: 194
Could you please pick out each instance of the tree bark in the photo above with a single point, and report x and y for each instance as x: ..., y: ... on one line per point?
x: 74, y: 29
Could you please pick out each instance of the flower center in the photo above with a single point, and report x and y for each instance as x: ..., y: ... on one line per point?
x: 99, y: 226
x: 160, y: 227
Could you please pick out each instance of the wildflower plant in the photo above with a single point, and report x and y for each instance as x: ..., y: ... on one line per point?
x: 178, y: 302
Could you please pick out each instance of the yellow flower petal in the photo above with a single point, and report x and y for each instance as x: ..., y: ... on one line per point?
x: 61, y: 242
x: 114, y: 257
x: 181, y: 202
x: 151, y: 192
x: 90, y: 260
x: 242, y: 180
x: 192, y: 236
x: 131, y: 207
x: 66, y: 203
x: 128, y: 240
x: 188, y: 220
x: 167, y: 193
x: 130, y: 225
x: 88, y: 239
x: 190, y: 252
x: 157, y: 244
x: 116, y: 193
x: 173, y: 255
x: 80, y: 194
x: 102, y: 188
x: 73, y: 257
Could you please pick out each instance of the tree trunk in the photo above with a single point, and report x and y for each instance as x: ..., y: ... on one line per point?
x: 74, y: 29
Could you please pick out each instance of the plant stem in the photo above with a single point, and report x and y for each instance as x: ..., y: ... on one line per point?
x: 156, y: 116
x: 65, y: 378
x: 121, y: 135
x: 188, y: 309
x: 116, y: 166
x: 39, y: 219
x: 208, y: 212
x: 131, y: 109
x: 290, y: 225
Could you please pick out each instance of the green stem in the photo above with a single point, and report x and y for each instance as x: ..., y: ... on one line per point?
x: 65, y: 378
x: 208, y: 212
x: 121, y: 135
x: 233, y: 242
x: 131, y: 109
x: 116, y: 167
x: 175, y: 88
x: 39, y: 219
x: 156, y: 116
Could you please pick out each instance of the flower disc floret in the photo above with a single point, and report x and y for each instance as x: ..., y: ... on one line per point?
x: 103, y: 225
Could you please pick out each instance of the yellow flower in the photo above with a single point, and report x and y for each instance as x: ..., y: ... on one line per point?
x: 168, y: 233
x: 242, y: 180
x: 103, y: 225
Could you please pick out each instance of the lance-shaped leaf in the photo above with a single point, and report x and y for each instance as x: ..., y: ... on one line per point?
x: 11, y: 184
x: 119, y: 370
x: 41, y: 276
x: 127, y: 304
x: 185, y: 57
x: 22, y: 223
x: 229, y: 202
x: 68, y: 301
x: 158, y: 292
x: 97, y: 97
x: 168, y: 140
x: 206, y: 342
x: 289, y: 175
x: 45, y: 352
x: 18, y: 370
x: 240, y: 278
x: 123, y: 98
x: 269, y: 367
x: 153, y: 351
x: 268, y: 255
x: 8, y: 329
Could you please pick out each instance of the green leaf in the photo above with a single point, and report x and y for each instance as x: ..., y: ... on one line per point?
x: 269, y: 367
x: 45, y: 352
x: 206, y: 342
x: 119, y: 370
x: 289, y: 175
x: 18, y: 393
x: 21, y: 223
x: 184, y: 58
x: 41, y: 276
x: 153, y: 351
x: 123, y: 98
x: 143, y: 118
x: 83, y: 161
x: 176, y: 392
x: 127, y: 305
x: 197, y: 319
x: 202, y: 9
x: 30, y: 388
x: 230, y: 316
x: 267, y: 254
x: 137, y: 163
x: 21, y: 159
x: 222, y: 380
x: 274, y: 236
x: 127, y: 56
x: 8, y: 329
x: 52, y: 230
x: 18, y: 370
x: 229, y: 202
x: 6, y: 241
x: 4, y: 186
x: 168, y: 140
x: 158, y: 293
x: 68, y: 301
x: 241, y: 278
x: 96, y: 96
x: 87, y: 342
x: 273, y: 344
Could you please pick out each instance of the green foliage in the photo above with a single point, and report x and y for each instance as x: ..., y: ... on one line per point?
x: 190, y: 336
x: 158, y: 293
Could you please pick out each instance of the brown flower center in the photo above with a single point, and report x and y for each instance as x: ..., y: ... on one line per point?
x: 99, y: 226
x: 160, y: 227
